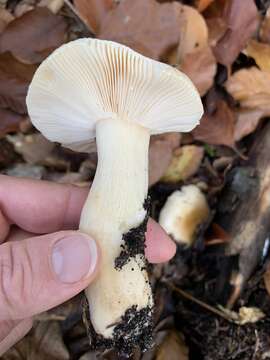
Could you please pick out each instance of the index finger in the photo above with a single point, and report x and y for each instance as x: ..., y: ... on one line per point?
x: 41, y: 206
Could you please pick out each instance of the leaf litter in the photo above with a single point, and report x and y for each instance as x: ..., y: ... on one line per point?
x: 223, y: 46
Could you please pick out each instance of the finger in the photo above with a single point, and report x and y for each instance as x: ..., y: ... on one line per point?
x: 159, y: 246
x: 39, y: 273
x: 15, y: 333
x: 41, y: 206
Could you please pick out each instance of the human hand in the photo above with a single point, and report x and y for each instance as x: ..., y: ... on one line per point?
x: 39, y: 272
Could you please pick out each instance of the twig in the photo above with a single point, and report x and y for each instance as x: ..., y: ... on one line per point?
x: 78, y: 15
x: 199, y: 302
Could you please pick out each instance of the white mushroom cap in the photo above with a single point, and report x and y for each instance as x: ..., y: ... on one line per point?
x: 88, y: 80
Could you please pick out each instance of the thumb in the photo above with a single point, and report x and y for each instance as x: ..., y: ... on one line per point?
x: 41, y: 272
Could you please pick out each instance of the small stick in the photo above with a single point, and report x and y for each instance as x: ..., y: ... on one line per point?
x: 199, y: 302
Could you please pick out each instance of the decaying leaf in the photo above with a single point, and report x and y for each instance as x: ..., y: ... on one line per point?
x: 154, y: 37
x: 40, y: 29
x: 160, y: 154
x: 14, y: 80
x: 251, y: 88
x: 203, y: 4
x: 25, y: 171
x: 5, y: 18
x: 93, y: 11
x: 193, y: 31
x: 53, y: 5
x: 216, y: 29
x: 184, y: 164
x: 173, y: 348
x: 264, y: 32
x: 266, y: 279
x: 43, y: 343
x: 34, y: 148
x: 9, y: 121
x: 260, y: 53
x: 200, y: 66
x: 246, y: 122
x: 217, y: 128
x: 239, y: 29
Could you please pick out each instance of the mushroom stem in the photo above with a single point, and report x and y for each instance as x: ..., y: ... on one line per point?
x: 114, y: 213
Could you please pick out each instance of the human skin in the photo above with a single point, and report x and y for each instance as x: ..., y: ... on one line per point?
x: 38, y: 222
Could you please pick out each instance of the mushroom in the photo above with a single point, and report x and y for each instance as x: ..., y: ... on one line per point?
x: 184, y: 212
x: 99, y: 89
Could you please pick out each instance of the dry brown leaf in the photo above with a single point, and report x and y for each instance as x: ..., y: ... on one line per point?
x: 93, y: 11
x: 217, y: 128
x: 173, y: 347
x: 146, y: 26
x: 9, y: 121
x: 201, y: 67
x: 14, y: 80
x: 185, y: 163
x: 203, y: 4
x: 216, y: 30
x: 5, y: 18
x: 246, y: 122
x: 40, y: 32
x: 239, y: 29
x: 193, y: 31
x: 160, y: 154
x: 34, y: 148
x: 43, y: 343
x: 251, y: 87
x: 260, y: 53
x: 264, y: 32
x: 53, y: 5
x: 266, y: 278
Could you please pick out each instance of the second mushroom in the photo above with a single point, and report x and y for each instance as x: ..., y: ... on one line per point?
x: 94, y: 88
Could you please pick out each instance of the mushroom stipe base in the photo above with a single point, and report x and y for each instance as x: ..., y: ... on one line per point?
x: 134, y: 330
x: 136, y: 326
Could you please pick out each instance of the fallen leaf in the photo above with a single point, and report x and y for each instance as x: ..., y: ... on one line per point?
x: 200, y: 66
x: 40, y: 32
x: 173, y: 347
x: 160, y: 154
x: 216, y: 30
x: 239, y: 29
x: 154, y: 36
x: 184, y: 164
x: 44, y: 342
x: 251, y: 88
x: 246, y: 122
x: 264, y: 32
x: 26, y: 171
x: 266, y: 279
x: 217, y: 128
x: 203, y: 4
x: 193, y: 31
x: 7, y: 153
x: 22, y: 8
x: 5, y: 18
x: 14, y: 80
x: 34, y: 148
x: 93, y: 11
x: 53, y: 5
x: 9, y: 121
x: 260, y: 53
